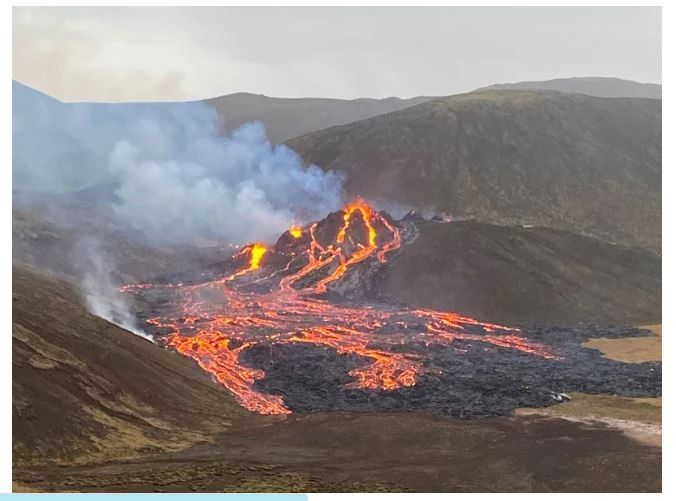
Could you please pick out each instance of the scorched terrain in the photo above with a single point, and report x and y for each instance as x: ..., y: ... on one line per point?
x: 275, y: 329
x: 279, y: 329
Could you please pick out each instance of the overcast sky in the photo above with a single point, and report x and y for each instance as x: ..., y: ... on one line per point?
x: 117, y: 54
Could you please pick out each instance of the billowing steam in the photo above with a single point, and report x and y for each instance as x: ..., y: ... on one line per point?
x: 166, y: 169
x: 99, y: 293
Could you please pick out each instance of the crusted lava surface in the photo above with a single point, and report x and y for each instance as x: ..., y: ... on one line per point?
x: 275, y: 327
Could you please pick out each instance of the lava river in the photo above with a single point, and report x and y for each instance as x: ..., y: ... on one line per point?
x: 277, y: 295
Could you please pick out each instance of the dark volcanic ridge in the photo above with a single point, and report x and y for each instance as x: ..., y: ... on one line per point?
x: 301, y: 327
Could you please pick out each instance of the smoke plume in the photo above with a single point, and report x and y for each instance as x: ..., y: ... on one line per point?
x: 166, y: 168
x: 99, y: 292
x: 164, y: 172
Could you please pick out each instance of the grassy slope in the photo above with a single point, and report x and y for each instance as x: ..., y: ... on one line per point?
x: 288, y: 118
x: 633, y: 350
x: 587, y: 164
x: 591, y: 86
x: 84, y: 389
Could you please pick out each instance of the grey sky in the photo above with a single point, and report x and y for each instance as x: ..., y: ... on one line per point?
x: 184, y: 53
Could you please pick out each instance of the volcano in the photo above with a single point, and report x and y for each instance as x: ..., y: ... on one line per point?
x: 282, y: 330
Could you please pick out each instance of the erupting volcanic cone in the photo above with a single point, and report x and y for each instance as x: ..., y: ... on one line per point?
x: 215, y: 321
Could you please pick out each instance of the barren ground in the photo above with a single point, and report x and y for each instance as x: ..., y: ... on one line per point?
x: 212, y: 446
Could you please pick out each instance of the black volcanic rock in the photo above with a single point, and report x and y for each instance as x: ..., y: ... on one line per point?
x: 414, y: 216
x: 473, y: 380
x: 315, y: 359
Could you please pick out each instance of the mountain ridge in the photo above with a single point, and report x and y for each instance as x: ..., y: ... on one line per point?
x: 591, y: 86
x: 546, y: 158
x: 285, y: 118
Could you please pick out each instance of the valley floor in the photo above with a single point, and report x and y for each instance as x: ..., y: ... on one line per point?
x: 64, y: 377
x: 392, y: 452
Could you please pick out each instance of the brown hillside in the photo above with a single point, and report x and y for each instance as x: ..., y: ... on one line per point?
x: 85, y: 390
x: 288, y: 118
x: 587, y: 164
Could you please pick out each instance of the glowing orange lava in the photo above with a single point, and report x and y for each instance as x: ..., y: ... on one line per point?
x: 256, y: 251
x: 296, y: 232
x: 217, y: 320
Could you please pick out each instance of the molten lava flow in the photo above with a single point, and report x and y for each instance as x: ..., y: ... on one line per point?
x: 256, y: 251
x: 367, y: 214
x: 214, y: 322
x: 320, y: 257
x: 215, y: 354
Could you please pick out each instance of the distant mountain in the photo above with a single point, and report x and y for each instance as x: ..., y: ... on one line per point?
x: 586, y: 164
x: 288, y: 118
x: 61, y: 235
x: 591, y: 86
x: 62, y: 147
x: 283, y: 118
x: 39, y: 144
x: 23, y: 93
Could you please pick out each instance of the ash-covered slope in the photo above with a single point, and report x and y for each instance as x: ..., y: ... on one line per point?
x: 586, y: 164
x: 288, y: 118
x: 520, y: 275
x: 590, y: 86
x: 85, y: 390
x: 506, y: 274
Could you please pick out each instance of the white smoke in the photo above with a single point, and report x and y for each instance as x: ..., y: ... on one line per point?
x: 100, y: 295
x: 241, y: 188
x: 164, y: 169
x: 171, y: 172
